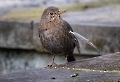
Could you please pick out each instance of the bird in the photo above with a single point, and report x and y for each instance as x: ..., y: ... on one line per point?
x: 55, y: 36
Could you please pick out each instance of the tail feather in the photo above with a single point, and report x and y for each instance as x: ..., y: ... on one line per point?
x: 70, y: 58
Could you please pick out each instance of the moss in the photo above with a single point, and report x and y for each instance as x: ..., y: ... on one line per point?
x: 31, y: 14
x: 98, y: 42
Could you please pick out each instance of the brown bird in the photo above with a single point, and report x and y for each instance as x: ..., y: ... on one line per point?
x: 55, y: 34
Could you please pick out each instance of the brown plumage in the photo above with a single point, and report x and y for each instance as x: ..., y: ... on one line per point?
x: 54, y: 34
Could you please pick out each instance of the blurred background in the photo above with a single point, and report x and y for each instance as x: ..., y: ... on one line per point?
x: 20, y: 47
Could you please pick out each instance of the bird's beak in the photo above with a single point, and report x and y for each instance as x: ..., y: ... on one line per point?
x: 61, y: 11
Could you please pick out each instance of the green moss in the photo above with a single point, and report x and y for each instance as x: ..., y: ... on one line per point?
x: 83, y: 69
x: 31, y: 14
x: 98, y: 42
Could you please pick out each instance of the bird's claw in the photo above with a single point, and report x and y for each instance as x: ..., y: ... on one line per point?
x: 52, y: 65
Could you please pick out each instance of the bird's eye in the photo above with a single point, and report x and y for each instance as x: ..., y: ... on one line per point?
x: 51, y: 13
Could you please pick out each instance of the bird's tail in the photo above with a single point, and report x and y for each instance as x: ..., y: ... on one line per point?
x: 70, y: 58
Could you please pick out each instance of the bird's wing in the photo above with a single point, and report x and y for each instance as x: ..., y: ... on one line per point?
x: 76, y: 43
x: 74, y: 39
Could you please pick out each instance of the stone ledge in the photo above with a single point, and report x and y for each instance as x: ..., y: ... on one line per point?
x: 105, y: 62
x: 24, y: 35
x: 64, y: 75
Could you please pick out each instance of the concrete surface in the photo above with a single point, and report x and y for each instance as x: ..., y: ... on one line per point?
x: 64, y: 74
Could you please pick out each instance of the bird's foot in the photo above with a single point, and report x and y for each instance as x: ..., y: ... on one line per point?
x: 64, y: 64
x: 52, y: 65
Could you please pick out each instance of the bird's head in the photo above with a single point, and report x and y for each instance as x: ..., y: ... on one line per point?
x: 52, y: 13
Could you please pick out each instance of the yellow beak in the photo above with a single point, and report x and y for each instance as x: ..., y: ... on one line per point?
x: 61, y: 11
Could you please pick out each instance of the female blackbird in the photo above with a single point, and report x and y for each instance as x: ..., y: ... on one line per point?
x: 55, y: 35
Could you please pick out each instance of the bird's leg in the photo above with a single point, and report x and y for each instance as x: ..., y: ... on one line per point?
x: 53, y: 63
x: 66, y: 61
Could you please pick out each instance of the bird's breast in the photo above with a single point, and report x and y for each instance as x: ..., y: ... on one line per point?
x: 55, y: 38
